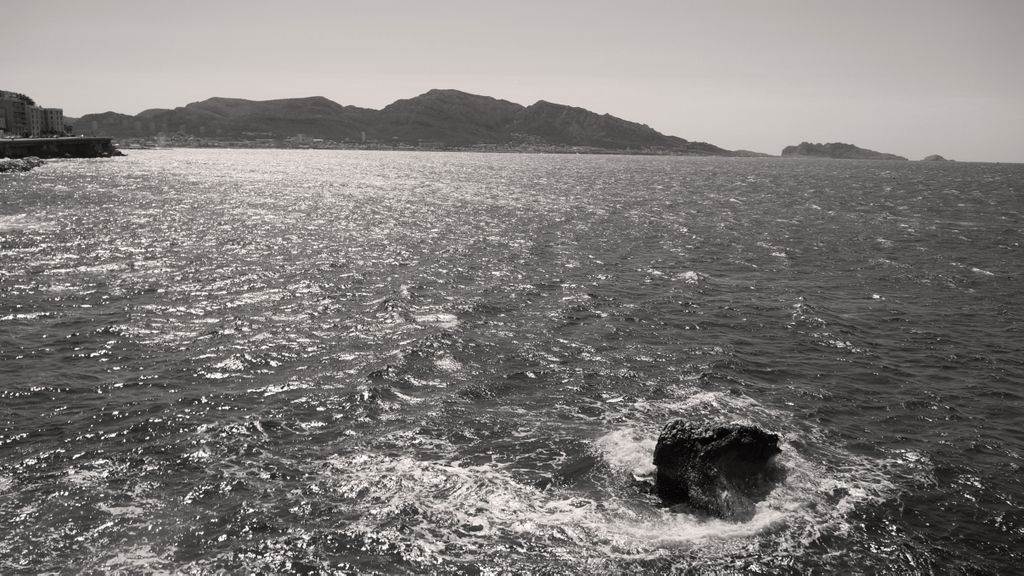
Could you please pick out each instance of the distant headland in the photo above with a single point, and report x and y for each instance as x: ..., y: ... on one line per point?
x: 435, y: 120
x: 837, y: 150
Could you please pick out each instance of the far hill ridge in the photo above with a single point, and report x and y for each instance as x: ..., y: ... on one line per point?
x: 438, y: 118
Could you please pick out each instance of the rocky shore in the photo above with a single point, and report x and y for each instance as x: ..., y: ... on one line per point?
x: 19, y: 164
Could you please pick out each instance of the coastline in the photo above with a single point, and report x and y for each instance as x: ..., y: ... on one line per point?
x: 276, y: 144
x: 19, y: 164
x: 67, y: 147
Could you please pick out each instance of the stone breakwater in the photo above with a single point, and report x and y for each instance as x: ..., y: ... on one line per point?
x: 77, y: 147
x: 19, y: 164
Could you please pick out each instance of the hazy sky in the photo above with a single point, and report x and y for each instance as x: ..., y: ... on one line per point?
x: 911, y: 77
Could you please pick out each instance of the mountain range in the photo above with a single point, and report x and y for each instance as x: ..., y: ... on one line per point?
x: 438, y: 118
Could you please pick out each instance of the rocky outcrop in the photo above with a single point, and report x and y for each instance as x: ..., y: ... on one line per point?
x: 723, y: 471
x: 19, y: 164
x: 837, y: 150
x: 934, y: 158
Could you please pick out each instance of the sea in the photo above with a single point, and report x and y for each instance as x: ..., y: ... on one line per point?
x: 363, y: 362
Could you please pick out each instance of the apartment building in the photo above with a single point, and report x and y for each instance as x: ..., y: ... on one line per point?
x: 22, y: 118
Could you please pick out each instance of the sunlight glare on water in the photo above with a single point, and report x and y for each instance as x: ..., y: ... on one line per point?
x: 355, y: 362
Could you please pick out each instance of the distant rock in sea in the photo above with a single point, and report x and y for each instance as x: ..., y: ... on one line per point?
x: 838, y: 150
x: 935, y: 158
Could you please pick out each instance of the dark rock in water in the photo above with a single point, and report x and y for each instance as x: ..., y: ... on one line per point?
x: 722, y: 470
x: 19, y: 164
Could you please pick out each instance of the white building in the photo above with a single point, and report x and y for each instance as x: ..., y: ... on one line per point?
x: 21, y: 117
x: 35, y: 121
x: 53, y: 121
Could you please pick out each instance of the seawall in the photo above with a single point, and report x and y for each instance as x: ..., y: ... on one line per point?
x: 75, y: 147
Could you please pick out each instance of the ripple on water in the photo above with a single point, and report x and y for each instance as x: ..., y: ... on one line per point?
x: 275, y: 361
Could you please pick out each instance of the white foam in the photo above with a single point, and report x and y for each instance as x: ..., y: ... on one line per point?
x: 140, y: 558
x: 23, y: 222
x: 214, y: 375
x: 121, y: 511
x: 200, y: 455
x: 426, y: 382
x: 272, y: 389
x: 675, y: 530
x: 690, y: 277
x: 628, y: 450
x: 440, y: 320
x: 811, y: 500
x: 709, y: 402
x: 233, y: 363
x: 477, y: 504
x: 26, y: 316
x: 89, y: 477
x: 101, y: 268
x: 448, y: 364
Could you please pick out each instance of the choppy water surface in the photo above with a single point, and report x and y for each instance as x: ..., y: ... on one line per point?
x: 347, y: 362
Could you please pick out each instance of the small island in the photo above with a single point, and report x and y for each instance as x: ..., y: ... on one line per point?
x: 836, y: 150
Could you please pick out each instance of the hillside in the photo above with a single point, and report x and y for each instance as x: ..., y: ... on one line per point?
x: 447, y: 116
x: 234, y: 118
x: 838, y: 150
x: 438, y: 118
